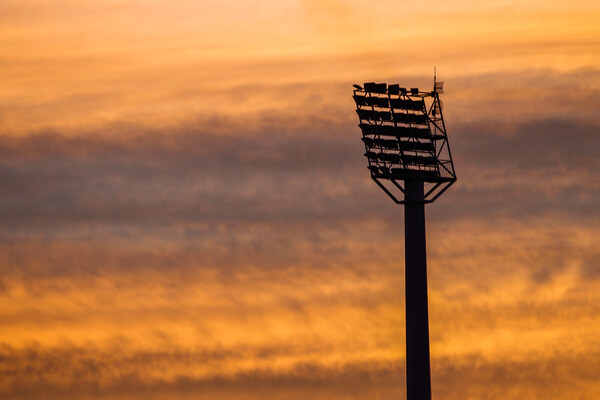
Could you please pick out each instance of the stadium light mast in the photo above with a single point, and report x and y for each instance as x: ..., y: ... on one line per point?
x: 409, y: 158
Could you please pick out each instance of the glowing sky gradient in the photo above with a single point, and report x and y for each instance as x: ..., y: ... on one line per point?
x: 186, y: 213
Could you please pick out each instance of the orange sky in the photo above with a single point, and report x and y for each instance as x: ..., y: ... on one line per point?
x: 187, y: 214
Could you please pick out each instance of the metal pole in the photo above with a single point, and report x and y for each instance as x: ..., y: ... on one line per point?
x: 418, y: 380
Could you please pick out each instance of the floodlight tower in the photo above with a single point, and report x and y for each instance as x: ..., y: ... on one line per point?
x: 409, y: 158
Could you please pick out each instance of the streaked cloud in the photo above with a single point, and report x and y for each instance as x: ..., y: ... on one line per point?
x: 187, y: 214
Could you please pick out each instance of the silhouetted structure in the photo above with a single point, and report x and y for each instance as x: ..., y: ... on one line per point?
x: 408, y: 154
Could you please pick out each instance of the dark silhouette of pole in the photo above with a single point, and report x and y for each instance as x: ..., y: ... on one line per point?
x: 418, y: 376
x: 407, y: 150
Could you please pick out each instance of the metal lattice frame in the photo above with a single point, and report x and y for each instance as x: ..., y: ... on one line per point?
x: 405, y: 138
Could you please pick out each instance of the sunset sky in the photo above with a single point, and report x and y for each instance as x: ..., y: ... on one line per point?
x: 185, y: 211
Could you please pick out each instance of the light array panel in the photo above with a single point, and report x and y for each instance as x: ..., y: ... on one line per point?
x: 404, y: 136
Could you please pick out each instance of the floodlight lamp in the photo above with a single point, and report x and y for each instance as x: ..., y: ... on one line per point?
x: 393, y: 89
x: 373, y: 87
